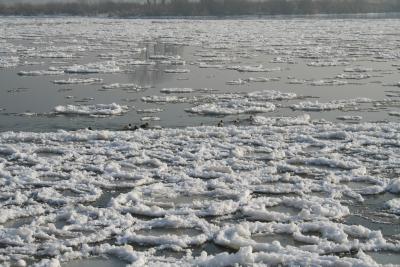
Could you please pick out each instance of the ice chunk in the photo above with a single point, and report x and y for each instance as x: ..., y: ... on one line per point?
x: 271, y: 95
x: 177, y: 90
x: 234, y: 106
x: 8, y: 62
x: 394, y: 186
x: 393, y: 205
x: 150, y: 118
x: 281, y: 121
x: 349, y: 118
x: 40, y: 72
x: 78, y: 81
x: 332, y: 105
x: 92, y: 110
x: 258, y: 68
x: 100, y: 67
x: 177, y: 71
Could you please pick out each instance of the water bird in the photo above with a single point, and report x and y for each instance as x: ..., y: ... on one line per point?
x: 220, y: 123
x: 145, y: 125
x: 90, y: 128
x: 236, y: 122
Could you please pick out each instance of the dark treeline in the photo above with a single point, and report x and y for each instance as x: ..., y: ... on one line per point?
x: 203, y: 8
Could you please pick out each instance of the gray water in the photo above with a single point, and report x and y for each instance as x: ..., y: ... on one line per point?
x: 21, y: 94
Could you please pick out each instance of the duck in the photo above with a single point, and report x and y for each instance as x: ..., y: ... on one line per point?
x: 145, y: 125
x: 236, y: 122
x: 90, y: 128
x: 220, y: 123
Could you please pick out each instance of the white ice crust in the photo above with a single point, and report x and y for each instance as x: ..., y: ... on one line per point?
x: 83, y: 193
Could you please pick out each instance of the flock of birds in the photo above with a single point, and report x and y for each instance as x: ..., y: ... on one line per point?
x: 146, y: 125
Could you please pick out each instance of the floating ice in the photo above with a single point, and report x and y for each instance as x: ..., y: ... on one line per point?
x: 164, y: 99
x: 262, y: 79
x: 392, y: 84
x: 358, y: 69
x: 332, y: 105
x: 288, y: 60
x: 258, y: 68
x: 92, y: 110
x: 357, y: 76
x: 79, y: 81
x: 271, y: 95
x: 176, y: 71
x: 327, y: 63
x: 297, y: 81
x: 8, y: 62
x: 142, y: 62
x: 100, y: 67
x: 206, y: 65
x: 328, y: 82
x: 394, y: 186
x: 40, y: 72
x: 176, y: 90
x: 164, y: 57
x: 236, y: 82
x: 281, y: 121
x: 394, y: 113
x: 124, y: 86
x: 349, y: 118
x: 149, y: 110
x: 234, y: 106
x: 52, y: 55
x: 152, y: 118
x: 253, y: 102
x: 394, y: 205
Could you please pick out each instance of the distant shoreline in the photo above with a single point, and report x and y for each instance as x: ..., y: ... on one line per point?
x: 206, y: 9
x: 382, y: 15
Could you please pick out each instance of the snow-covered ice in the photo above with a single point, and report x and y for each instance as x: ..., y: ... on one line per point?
x: 85, y: 192
x: 92, y: 110
x: 79, y: 81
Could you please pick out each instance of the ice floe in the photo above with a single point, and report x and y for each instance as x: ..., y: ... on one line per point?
x: 8, y: 62
x: 152, y: 118
x: 40, y: 72
x: 332, y: 105
x: 349, y: 118
x: 177, y: 71
x: 281, y: 121
x: 100, y: 67
x: 92, y: 110
x: 233, y: 107
x: 79, y: 81
x: 258, y: 68
x: 177, y: 90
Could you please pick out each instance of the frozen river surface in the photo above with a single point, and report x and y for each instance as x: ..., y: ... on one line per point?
x: 269, y: 142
